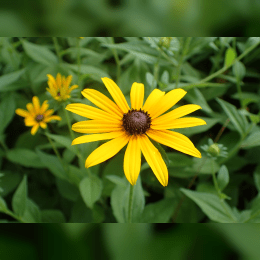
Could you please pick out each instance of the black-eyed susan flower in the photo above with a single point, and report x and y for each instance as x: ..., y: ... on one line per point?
x: 60, y: 88
x: 37, y: 115
x: 134, y: 127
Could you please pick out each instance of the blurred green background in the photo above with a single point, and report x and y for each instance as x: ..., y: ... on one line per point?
x: 130, y: 17
x: 135, y: 241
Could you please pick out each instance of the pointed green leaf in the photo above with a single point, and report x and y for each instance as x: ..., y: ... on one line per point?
x: 230, y: 56
x: 90, y: 189
x: 223, y: 177
x: 3, y: 206
x: 10, y: 78
x: 19, y: 201
x: 216, y: 209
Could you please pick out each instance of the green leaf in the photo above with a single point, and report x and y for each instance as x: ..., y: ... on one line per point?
x: 230, y: 56
x: 158, y: 212
x: 7, y: 109
x: 239, y: 70
x: 90, y: 190
x: 223, y: 177
x: 19, y: 200
x: 32, y: 212
x: 53, y: 164
x: 40, y: 54
x: 3, y: 206
x: 238, y: 120
x: 25, y: 157
x: 52, y: 216
x: 10, y: 78
x: 9, y: 182
x: 216, y: 209
x: 252, y: 140
x: 63, y: 141
x: 67, y: 190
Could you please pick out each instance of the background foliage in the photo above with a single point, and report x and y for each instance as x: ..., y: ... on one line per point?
x: 130, y: 17
x: 220, y: 74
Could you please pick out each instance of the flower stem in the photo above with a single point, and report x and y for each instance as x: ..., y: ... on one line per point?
x: 118, y: 72
x: 130, y: 204
x: 54, y: 147
x: 57, y: 48
x: 78, y: 60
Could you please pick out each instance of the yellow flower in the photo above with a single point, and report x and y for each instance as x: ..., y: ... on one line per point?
x: 37, y: 115
x: 134, y: 127
x: 59, y: 88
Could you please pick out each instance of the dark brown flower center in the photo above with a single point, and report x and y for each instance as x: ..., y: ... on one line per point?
x: 136, y: 121
x: 58, y: 93
x: 39, y: 118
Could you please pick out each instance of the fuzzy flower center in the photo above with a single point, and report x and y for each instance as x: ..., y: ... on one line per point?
x: 136, y: 121
x: 39, y: 118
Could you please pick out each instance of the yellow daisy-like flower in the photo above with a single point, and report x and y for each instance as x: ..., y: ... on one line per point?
x: 59, y: 88
x: 37, y: 115
x: 134, y: 126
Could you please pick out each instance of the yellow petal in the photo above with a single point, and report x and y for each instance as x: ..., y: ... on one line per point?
x: 89, y: 112
x: 52, y: 91
x: 43, y: 125
x: 50, y: 118
x: 174, y: 140
x: 96, y: 126
x: 117, y: 94
x: 166, y: 102
x: 179, y: 123
x: 48, y: 113
x: 73, y: 87
x: 29, y: 121
x: 22, y: 112
x: 44, y: 107
x: 68, y: 81
x: 137, y: 95
x: 102, y: 102
x: 34, y: 129
x: 152, y: 99
x: 154, y: 159
x: 31, y: 109
x: 107, y: 150
x: 58, y: 80
x: 36, y: 104
x: 132, y: 159
x: 51, y: 82
x: 176, y: 113
x: 96, y: 137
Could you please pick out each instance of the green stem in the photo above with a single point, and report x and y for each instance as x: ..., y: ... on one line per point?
x: 118, y: 67
x: 78, y: 60
x: 11, y: 214
x: 130, y: 204
x: 210, y: 77
x: 57, y: 48
x: 214, y: 176
x: 239, y: 92
x: 54, y: 147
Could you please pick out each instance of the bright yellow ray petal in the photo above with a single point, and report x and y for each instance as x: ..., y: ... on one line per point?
x: 106, y: 150
x: 166, y: 102
x: 58, y: 80
x: 116, y: 93
x: 30, y: 121
x: 22, y: 112
x: 30, y: 108
x: 73, y: 87
x: 34, y: 129
x: 68, y: 81
x: 44, y: 107
x: 51, y: 82
x: 50, y: 118
x: 90, y: 112
x: 48, y: 113
x: 179, y: 123
x: 137, y: 95
x: 176, y: 113
x: 96, y: 137
x: 36, y: 104
x: 174, y: 140
x: 96, y: 126
x: 103, y: 102
x: 152, y: 99
x: 154, y: 159
x: 132, y: 159
x: 43, y: 125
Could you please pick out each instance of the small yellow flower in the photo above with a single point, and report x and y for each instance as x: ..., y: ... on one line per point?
x: 59, y: 88
x: 37, y: 115
x: 135, y: 126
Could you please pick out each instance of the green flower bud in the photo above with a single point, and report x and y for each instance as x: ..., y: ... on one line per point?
x: 214, y: 150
